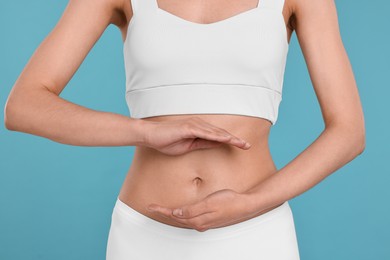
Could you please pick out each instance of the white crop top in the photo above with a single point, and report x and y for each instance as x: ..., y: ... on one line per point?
x: 234, y: 66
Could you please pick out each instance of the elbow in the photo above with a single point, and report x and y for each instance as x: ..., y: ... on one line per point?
x: 17, y: 110
x: 10, y: 123
x: 358, y: 139
x: 9, y: 111
x: 13, y: 114
x: 361, y: 144
x: 353, y: 133
x: 360, y: 136
x: 20, y: 109
x: 8, y: 116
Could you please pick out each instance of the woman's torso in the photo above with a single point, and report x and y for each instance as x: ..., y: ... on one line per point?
x: 174, y: 181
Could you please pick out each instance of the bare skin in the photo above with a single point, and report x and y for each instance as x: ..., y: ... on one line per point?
x: 192, y: 173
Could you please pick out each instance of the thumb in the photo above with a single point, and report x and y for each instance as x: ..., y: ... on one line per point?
x: 200, y: 143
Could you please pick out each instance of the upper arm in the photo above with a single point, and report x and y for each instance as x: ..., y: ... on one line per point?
x: 61, y: 53
x: 317, y: 30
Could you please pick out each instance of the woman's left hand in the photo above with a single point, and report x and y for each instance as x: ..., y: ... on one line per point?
x: 218, y: 209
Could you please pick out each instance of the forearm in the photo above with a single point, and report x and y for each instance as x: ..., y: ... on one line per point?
x: 45, y: 114
x: 335, y: 147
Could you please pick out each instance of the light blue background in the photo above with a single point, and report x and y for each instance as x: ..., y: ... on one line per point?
x: 56, y: 200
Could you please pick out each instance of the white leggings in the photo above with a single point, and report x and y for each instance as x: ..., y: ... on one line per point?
x: 134, y: 236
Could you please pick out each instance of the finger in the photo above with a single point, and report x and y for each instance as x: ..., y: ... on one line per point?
x: 163, y: 213
x: 204, y: 144
x: 200, y: 222
x: 193, y: 210
x: 214, y: 136
x: 167, y: 213
x: 239, y: 142
x: 231, y: 139
x: 159, y: 209
x: 202, y: 125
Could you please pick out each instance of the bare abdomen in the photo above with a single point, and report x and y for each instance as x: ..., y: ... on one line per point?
x: 174, y: 181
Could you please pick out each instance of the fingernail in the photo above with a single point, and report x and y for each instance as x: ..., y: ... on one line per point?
x: 150, y: 209
x: 247, y: 145
x: 178, y: 212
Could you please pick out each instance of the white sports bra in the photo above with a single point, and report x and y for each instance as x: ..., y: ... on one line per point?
x: 234, y: 66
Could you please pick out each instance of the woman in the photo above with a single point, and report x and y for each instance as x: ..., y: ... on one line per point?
x: 204, y: 83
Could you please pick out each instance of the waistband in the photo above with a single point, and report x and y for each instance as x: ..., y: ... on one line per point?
x: 211, y: 234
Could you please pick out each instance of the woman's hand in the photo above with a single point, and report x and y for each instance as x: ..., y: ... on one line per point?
x: 181, y: 136
x: 218, y: 209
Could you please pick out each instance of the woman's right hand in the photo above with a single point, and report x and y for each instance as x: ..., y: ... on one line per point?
x: 185, y: 135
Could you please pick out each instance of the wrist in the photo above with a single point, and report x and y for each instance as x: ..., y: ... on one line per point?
x: 251, y: 202
x: 140, y: 129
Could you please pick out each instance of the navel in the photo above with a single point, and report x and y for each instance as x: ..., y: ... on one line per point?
x: 197, y: 181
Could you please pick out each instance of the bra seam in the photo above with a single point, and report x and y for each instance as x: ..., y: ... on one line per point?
x: 204, y: 83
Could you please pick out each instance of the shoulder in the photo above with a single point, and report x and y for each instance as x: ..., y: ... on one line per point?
x: 317, y: 11
x: 113, y: 10
x: 305, y: 5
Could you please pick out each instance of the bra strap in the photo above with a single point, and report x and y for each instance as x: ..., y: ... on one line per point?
x: 273, y: 4
x: 143, y: 5
x: 146, y: 5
